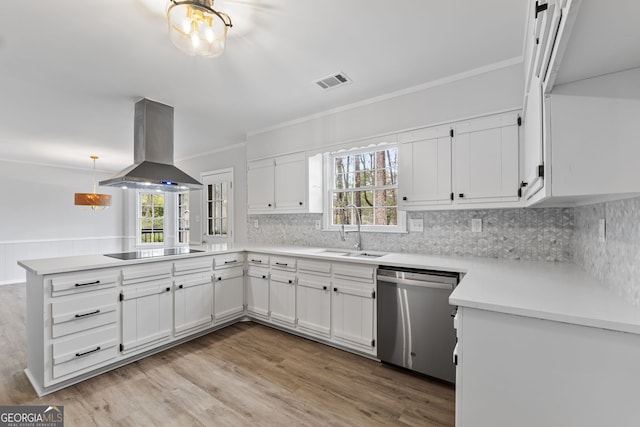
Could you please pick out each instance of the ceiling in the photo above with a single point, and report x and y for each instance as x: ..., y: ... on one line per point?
x: 70, y: 71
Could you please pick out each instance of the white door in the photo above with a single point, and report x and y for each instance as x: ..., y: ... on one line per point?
x: 229, y: 294
x: 282, y: 299
x: 218, y: 206
x: 353, y: 316
x: 314, y: 305
x: 260, y: 182
x: 193, y: 302
x: 146, y: 315
x: 257, y: 293
x: 290, y: 182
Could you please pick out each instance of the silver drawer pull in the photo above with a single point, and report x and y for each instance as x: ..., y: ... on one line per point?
x: 88, y: 352
x: 88, y: 314
x: 88, y: 283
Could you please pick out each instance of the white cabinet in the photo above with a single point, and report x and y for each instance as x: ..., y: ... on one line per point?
x: 146, y: 305
x: 353, y: 307
x: 485, y: 152
x: 313, y: 298
x: 260, y: 186
x: 424, y: 167
x: 282, y: 290
x: 193, y: 295
x: 229, y: 287
x: 285, y: 184
x: 257, y: 285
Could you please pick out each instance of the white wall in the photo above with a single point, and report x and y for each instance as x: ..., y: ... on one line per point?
x: 38, y: 218
x: 235, y: 157
x: 480, y: 94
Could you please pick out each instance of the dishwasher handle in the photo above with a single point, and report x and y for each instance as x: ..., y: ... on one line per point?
x: 419, y: 283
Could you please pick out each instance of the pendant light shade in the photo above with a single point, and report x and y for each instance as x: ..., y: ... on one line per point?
x: 196, y: 28
x: 94, y: 201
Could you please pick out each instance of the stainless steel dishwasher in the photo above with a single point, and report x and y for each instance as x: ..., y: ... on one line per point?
x: 415, y: 329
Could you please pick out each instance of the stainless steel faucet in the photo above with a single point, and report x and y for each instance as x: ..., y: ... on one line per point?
x: 358, y: 246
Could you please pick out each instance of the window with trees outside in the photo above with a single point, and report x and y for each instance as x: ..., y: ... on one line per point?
x: 367, y: 180
x: 183, y: 218
x: 151, y: 217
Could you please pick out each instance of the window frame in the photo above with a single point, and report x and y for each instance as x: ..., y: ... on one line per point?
x: 186, y: 230
x: 220, y: 175
x: 329, y: 172
x: 139, y: 241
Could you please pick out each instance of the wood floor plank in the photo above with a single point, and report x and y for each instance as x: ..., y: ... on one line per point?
x: 245, y: 374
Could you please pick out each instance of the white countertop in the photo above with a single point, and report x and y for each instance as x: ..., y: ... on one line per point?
x: 554, y: 291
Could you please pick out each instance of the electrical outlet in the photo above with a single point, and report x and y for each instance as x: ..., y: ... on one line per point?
x: 476, y: 225
x: 318, y: 225
x: 256, y: 224
x: 602, y: 230
x: 416, y: 224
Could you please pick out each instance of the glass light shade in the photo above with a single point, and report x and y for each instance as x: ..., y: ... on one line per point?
x: 93, y: 200
x: 196, y: 28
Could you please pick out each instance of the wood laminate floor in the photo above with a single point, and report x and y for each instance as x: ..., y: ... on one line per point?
x: 245, y: 374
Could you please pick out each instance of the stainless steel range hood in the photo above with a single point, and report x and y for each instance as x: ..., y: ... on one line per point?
x: 153, y: 153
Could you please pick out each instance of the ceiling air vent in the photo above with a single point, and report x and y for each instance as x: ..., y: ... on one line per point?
x: 333, y: 80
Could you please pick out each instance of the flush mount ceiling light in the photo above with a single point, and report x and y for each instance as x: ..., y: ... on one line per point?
x: 196, y: 28
x: 97, y: 202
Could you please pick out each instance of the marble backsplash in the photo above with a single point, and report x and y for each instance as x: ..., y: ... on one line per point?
x: 616, y: 261
x: 526, y: 234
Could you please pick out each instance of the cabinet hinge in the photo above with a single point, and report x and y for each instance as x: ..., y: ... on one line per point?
x: 519, y: 121
x: 121, y: 296
x: 541, y: 171
x: 121, y: 348
x: 540, y: 8
x: 451, y: 196
x: 373, y: 294
x: 373, y: 343
x: 451, y: 133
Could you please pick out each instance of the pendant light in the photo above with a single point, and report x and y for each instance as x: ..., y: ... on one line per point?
x: 97, y: 202
x: 196, y: 28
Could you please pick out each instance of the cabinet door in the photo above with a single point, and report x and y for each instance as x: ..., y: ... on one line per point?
x: 193, y: 302
x: 314, y: 305
x: 260, y: 185
x: 145, y: 315
x: 290, y: 182
x: 424, y: 173
x: 257, y: 293
x: 533, y: 156
x: 229, y: 295
x: 486, y: 160
x: 282, y: 299
x: 353, y: 316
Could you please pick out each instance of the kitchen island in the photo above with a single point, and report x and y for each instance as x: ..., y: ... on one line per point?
x: 530, y: 333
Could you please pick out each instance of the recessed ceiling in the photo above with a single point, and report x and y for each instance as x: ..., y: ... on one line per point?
x: 70, y: 71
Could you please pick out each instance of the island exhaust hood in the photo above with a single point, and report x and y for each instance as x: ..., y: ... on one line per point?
x: 153, y: 153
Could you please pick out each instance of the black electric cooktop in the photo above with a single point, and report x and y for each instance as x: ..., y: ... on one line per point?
x: 149, y: 253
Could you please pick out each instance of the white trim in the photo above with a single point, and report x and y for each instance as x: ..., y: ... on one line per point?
x: 214, y: 151
x: 58, y: 166
x: 434, y: 83
x: 66, y: 239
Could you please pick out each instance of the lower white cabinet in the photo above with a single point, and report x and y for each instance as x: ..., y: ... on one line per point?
x: 282, y: 298
x: 257, y: 292
x: 193, y: 302
x: 313, y: 298
x: 229, y: 294
x: 146, y: 314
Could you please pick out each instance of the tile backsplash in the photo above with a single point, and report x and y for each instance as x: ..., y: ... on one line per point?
x: 616, y: 261
x: 527, y: 234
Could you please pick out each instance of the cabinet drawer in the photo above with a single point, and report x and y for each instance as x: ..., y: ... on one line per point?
x: 354, y: 272
x: 283, y: 263
x: 314, y: 282
x: 228, y: 273
x: 84, y: 350
x: 93, y: 309
x: 258, y: 259
x: 228, y: 260
x: 314, y: 267
x: 146, y: 273
x: 259, y: 272
x: 190, y: 280
x: 194, y: 265
x: 283, y: 277
x: 69, y: 284
x: 349, y: 287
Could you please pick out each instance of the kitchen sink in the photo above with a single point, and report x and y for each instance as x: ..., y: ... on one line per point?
x: 359, y: 254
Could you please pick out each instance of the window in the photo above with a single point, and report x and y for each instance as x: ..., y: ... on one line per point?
x: 218, y: 206
x: 368, y: 181
x: 183, y: 218
x: 150, y: 218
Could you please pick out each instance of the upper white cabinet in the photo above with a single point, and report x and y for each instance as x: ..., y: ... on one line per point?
x: 485, y: 152
x: 466, y: 164
x: 285, y: 184
x: 424, y: 167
